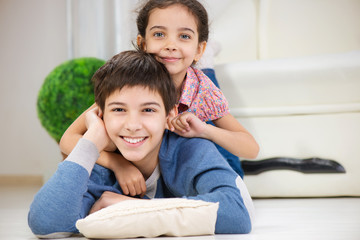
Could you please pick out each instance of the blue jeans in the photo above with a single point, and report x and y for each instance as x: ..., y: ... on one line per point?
x: 68, y: 196
x: 233, y: 160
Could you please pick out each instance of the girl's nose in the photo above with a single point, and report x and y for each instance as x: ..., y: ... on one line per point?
x: 170, y: 45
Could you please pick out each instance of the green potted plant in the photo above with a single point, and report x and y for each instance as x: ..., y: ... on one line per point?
x: 66, y: 92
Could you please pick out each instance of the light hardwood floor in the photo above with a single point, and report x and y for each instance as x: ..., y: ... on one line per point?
x: 290, y: 219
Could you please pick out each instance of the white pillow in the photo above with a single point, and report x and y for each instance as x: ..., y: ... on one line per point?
x: 151, y: 218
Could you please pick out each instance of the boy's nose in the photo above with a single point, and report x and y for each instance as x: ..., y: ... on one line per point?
x: 133, y: 123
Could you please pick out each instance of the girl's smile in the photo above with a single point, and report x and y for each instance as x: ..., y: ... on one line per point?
x: 169, y: 59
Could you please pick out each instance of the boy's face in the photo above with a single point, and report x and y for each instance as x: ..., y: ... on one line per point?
x: 135, y: 120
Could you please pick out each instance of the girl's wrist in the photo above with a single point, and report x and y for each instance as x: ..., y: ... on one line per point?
x: 207, y: 132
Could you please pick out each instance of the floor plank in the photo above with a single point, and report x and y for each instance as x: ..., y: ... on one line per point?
x: 310, y: 219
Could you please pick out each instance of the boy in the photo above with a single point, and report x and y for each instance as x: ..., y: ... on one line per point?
x: 135, y: 97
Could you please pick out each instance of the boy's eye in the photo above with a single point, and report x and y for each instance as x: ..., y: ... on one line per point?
x: 185, y: 36
x: 148, y: 110
x: 118, y: 110
x: 158, y: 34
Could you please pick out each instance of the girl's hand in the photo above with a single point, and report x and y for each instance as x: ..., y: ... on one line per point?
x: 129, y: 177
x: 187, y: 125
x: 107, y: 199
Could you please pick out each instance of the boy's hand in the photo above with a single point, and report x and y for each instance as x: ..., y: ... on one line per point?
x: 187, y: 125
x: 96, y: 131
x: 107, y: 199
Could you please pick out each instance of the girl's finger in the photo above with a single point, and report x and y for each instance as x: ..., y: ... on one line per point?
x: 132, y: 190
x: 178, y: 126
x: 124, y: 189
x: 170, y: 126
x: 143, y: 188
x: 184, y: 122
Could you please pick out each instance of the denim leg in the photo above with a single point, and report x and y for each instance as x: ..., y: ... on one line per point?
x: 233, y: 160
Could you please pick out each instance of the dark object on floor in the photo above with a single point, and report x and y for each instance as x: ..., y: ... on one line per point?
x: 309, y: 165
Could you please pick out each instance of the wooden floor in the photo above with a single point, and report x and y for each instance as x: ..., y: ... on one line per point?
x: 277, y: 219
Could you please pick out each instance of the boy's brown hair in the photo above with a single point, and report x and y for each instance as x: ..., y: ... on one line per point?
x: 133, y: 68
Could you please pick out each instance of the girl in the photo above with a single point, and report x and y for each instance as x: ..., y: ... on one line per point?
x: 176, y: 33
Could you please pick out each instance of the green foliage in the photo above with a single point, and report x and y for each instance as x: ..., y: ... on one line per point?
x: 66, y: 92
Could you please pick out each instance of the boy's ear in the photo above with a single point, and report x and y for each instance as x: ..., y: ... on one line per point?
x: 173, y: 113
x: 200, y: 51
x: 101, y: 114
x: 140, y: 42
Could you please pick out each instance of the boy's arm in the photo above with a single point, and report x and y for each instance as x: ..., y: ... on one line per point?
x: 60, y: 202
x: 207, y: 176
x: 227, y: 132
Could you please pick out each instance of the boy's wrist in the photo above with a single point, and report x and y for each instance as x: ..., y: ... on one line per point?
x: 91, y: 135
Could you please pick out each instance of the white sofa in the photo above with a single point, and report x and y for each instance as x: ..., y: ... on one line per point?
x: 291, y: 73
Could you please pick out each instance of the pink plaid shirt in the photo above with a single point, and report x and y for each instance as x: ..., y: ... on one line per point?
x: 201, y: 97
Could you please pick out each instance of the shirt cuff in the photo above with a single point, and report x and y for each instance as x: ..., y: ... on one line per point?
x: 85, y: 154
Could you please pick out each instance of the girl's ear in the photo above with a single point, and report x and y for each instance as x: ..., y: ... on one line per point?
x: 200, y: 51
x: 140, y: 42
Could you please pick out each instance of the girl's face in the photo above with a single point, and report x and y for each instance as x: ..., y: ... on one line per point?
x: 172, y: 36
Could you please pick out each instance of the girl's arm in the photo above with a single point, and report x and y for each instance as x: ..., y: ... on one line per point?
x: 74, y: 132
x: 232, y: 136
x: 227, y: 132
x: 129, y: 177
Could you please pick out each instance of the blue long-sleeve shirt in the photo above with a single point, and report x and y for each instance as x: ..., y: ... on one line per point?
x: 194, y: 168
x: 191, y: 168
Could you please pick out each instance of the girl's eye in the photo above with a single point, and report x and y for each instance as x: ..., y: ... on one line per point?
x: 185, y: 36
x: 158, y: 34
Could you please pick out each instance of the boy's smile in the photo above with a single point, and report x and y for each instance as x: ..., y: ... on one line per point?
x: 134, y: 140
x: 135, y: 121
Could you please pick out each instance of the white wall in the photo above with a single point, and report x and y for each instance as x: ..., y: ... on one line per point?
x: 32, y: 43
x: 36, y: 36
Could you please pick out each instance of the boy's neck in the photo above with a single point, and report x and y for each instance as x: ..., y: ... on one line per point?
x: 147, y: 169
x: 148, y: 165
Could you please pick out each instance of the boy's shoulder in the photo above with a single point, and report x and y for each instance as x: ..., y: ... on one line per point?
x: 190, y: 155
x: 173, y: 140
x: 174, y: 146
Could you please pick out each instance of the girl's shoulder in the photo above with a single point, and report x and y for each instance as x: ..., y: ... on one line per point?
x: 197, y: 77
x: 202, y: 96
